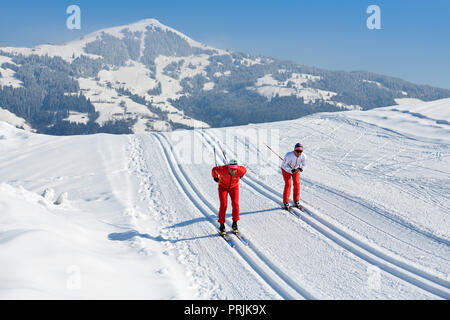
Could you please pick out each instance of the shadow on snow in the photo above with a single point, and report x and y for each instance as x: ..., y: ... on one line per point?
x: 129, y: 235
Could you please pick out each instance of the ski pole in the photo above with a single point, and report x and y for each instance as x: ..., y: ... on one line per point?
x: 224, y: 153
x: 276, y: 154
x: 273, y: 152
x: 215, y: 157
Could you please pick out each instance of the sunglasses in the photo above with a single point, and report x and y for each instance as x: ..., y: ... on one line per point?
x: 299, y: 151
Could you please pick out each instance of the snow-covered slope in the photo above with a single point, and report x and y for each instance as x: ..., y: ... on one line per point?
x: 133, y: 76
x: 14, y: 120
x: 146, y: 76
x: 7, y: 76
x: 137, y: 216
x: 69, y: 51
x: 418, y: 119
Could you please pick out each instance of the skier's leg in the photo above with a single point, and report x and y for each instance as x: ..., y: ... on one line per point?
x: 296, y: 178
x: 287, y: 186
x: 223, y: 198
x: 234, y: 195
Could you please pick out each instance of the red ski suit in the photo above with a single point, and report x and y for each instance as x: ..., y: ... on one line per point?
x: 228, y: 184
x: 288, y: 178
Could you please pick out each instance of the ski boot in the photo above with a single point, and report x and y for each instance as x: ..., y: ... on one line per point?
x: 287, y: 206
x: 222, y: 229
x: 235, y: 227
x: 298, y: 205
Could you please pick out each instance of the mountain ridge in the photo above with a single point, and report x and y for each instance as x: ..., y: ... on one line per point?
x: 146, y: 76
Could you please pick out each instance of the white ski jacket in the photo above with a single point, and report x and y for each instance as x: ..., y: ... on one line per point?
x: 291, y: 161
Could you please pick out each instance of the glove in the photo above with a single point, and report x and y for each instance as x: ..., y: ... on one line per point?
x: 294, y: 171
x: 216, y: 180
x: 300, y: 169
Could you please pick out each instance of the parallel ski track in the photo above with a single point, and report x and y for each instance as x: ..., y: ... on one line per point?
x: 378, y: 211
x: 365, y: 251
x: 271, y: 274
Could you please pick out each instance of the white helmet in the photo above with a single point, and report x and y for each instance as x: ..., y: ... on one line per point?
x: 233, y: 164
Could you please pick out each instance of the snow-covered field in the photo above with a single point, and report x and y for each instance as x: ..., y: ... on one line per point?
x: 14, y: 120
x: 134, y: 217
x: 7, y: 76
x: 268, y: 87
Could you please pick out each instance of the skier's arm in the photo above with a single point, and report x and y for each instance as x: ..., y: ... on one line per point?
x: 302, y: 164
x: 242, y: 171
x: 215, y: 172
x: 286, y: 166
x: 285, y: 162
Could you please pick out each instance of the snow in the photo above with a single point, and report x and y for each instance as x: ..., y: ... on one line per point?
x: 250, y: 62
x: 220, y: 74
x: 208, y: 86
x: 109, y: 104
x: 171, y: 88
x: 14, y: 120
x: 66, y: 52
x: 74, y: 49
x: 4, y: 59
x: 423, y: 120
x: 141, y: 26
x: 269, y: 87
x: 136, y: 216
x: 134, y: 77
x: 78, y: 117
x: 402, y: 101
x: 379, y: 85
x: 7, y: 76
x: 79, y: 249
x: 267, y: 80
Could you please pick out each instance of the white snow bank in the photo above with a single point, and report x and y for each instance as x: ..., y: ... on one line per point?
x: 46, y: 255
x: 9, y: 131
x: 67, y: 230
x: 429, y: 120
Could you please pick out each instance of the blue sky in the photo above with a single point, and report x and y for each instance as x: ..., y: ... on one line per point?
x: 413, y: 44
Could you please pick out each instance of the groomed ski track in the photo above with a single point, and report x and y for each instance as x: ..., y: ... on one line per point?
x: 363, y: 250
x: 259, y: 255
x: 268, y: 271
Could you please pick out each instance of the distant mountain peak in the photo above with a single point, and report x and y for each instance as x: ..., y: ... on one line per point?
x: 146, y: 76
x: 139, y: 26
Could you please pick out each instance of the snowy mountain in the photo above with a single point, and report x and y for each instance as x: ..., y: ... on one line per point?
x: 146, y: 76
x: 134, y: 216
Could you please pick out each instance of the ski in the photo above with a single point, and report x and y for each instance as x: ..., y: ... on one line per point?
x: 226, y: 238
x: 291, y: 211
x: 300, y: 207
x: 239, y: 235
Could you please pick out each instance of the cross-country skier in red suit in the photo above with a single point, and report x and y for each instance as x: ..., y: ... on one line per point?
x: 228, y: 177
x: 294, y: 163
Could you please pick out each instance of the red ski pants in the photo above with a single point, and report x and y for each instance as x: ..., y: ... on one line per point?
x: 223, y: 197
x: 288, y: 177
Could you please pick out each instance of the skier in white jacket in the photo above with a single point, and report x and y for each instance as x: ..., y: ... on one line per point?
x: 294, y: 163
